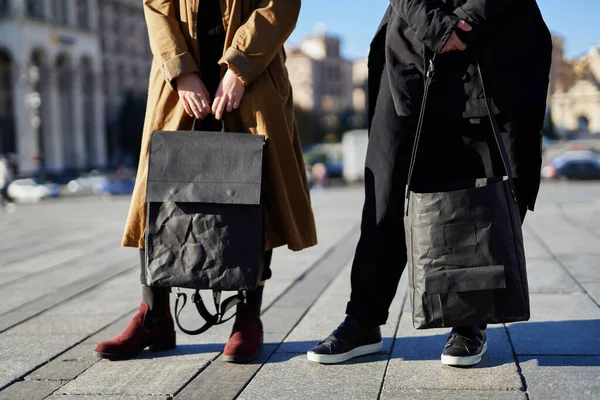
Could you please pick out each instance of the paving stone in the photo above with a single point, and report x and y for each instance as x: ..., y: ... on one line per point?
x: 275, y: 288
x: 29, y: 349
x: 559, y: 234
x: 305, y: 292
x: 109, y: 397
x: 36, y: 286
x: 533, y: 247
x: 35, y: 349
x: 43, y: 261
x: 164, y: 374
x: 415, y: 363
x: 62, y: 325
x: 311, y: 381
x: 56, y: 297
x: 593, y: 290
x: 562, y: 307
x: 11, y: 370
x: 585, y: 214
x: 82, y: 352
x: 569, y: 235
x: 222, y: 380
x: 72, y: 240
x: 562, y: 378
x: 60, y: 370
x: 6, y: 277
x: 322, y: 318
x: 32, y: 236
x: 453, y: 395
x: 207, y: 345
x: 546, y: 275
x: 560, y: 324
x: 585, y: 267
x: 330, y: 310
x: 360, y: 379
x: 114, y: 297
x: 30, y: 390
x: 278, y: 321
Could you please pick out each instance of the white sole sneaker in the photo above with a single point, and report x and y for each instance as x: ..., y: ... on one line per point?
x: 464, y: 361
x: 339, y: 358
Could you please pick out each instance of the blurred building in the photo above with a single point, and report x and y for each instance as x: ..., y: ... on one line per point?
x: 320, y: 77
x: 561, y: 72
x: 575, y: 103
x: 126, y: 58
x: 360, y: 74
x: 51, y: 97
x: 324, y: 82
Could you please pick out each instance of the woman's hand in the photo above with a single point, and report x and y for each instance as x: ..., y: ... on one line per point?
x: 193, y: 95
x: 454, y: 43
x: 229, y: 95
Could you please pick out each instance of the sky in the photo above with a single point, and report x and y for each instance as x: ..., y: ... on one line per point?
x: 577, y: 21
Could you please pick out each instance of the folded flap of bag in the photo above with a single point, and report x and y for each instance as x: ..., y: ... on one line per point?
x: 205, y: 167
x: 468, y: 279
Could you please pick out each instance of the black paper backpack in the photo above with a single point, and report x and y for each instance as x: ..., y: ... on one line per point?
x: 205, y: 216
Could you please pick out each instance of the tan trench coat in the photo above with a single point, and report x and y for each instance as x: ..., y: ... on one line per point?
x: 254, y: 51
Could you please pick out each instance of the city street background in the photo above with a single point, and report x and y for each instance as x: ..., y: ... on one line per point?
x: 65, y: 285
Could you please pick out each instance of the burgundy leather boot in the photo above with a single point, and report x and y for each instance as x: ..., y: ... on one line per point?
x: 246, y: 341
x: 145, y: 330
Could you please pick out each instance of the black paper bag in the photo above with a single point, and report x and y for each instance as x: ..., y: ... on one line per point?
x: 466, y: 260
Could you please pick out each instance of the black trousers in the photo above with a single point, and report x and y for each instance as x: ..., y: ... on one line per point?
x: 449, y: 150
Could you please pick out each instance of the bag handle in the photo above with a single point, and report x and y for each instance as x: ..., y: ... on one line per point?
x: 197, y: 125
x: 496, y: 130
x: 493, y: 121
x: 210, y: 319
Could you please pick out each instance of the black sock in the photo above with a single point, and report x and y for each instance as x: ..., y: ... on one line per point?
x: 157, y: 298
x: 253, y: 302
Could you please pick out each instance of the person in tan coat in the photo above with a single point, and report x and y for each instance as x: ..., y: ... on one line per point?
x: 221, y: 60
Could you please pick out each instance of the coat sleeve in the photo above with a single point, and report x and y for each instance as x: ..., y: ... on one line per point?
x: 257, y: 41
x: 431, y: 20
x: 166, y: 40
x: 479, y: 12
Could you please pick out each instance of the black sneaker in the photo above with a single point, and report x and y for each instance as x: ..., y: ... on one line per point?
x: 349, y: 340
x: 465, y: 347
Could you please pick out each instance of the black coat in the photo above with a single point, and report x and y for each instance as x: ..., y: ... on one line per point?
x: 509, y: 37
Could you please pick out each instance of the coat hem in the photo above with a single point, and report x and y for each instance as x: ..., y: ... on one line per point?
x: 129, y: 241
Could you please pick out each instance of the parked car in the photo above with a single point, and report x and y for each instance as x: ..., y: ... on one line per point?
x: 116, y: 186
x: 87, y: 183
x: 579, y: 164
x: 32, y: 190
x: 328, y: 154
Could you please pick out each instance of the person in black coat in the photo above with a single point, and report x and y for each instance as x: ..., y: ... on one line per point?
x: 513, y: 46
